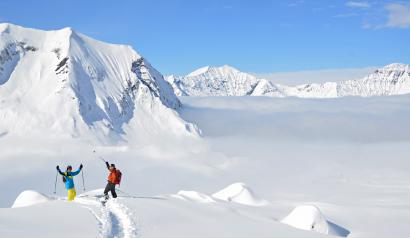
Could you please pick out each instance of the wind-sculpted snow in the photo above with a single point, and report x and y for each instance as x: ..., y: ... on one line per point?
x: 310, y: 218
x: 392, y: 79
x: 66, y: 84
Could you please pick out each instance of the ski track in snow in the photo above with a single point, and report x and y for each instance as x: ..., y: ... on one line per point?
x: 114, y: 220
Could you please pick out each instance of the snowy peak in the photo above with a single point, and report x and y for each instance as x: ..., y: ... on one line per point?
x: 222, y: 70
x: 395, y: 67
x: 199, y: 71
x: 393, y: 79
x: 65, y: 82
x: 225, y: 69
x: 391, y: 71
x: 220, y: 81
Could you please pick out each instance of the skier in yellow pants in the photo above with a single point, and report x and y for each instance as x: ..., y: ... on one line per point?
x: 71, y: 193
x: 68, y: 180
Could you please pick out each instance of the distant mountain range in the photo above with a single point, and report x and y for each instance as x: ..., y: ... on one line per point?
x: 393, y: 79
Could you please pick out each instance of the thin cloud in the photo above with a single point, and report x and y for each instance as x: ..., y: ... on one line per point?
x: 346, y: 15
x: 399, y: 15
x: 296, y: 3
x: 354, y: 4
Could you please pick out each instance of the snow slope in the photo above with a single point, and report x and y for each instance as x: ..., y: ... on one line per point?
x: 143, y: 217
x: 65, y: 84
x: 194, y: 196
x: 347, y: 157
x: 393, y: 79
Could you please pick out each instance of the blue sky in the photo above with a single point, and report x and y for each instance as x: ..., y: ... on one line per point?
x: 178, y: 36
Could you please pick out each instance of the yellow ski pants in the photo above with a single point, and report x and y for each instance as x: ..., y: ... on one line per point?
x: 71, y: 193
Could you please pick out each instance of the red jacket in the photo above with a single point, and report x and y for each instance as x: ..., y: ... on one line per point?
x: 112, y: 177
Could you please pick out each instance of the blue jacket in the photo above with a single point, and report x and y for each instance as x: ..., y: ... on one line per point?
x: 69, y: 182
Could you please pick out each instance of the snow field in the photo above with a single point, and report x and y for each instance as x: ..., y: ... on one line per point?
x: 114, y: 219
x: 194, y: 196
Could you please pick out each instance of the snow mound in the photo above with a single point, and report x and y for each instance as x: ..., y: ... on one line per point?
x: 310, y: 218
x: 29, y: 198
x: 239, y: 193
x: 307, y: 217
x: 195, y: 196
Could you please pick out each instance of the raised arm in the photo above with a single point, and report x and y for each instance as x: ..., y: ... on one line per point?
x: 59, y: 171
x: 107, y: 164
x: 77, y: 172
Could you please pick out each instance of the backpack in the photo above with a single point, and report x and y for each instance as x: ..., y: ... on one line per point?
x: 64, y: 177
x: 118, y: 175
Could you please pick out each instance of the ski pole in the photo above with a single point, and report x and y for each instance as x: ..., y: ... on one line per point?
x: 99, y: 157
x: 82, y: 175
x: 102, y: 159
x: 55, y: 183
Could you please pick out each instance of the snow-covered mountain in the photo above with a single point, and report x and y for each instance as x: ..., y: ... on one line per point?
x: 221, y: 81
x: 393, y: 79
x: 65, y: 84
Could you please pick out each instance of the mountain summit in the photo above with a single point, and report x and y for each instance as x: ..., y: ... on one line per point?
x: 65, y: 84
x: 220, y: 81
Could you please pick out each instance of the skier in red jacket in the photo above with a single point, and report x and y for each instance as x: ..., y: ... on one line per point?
x: 114, y: 178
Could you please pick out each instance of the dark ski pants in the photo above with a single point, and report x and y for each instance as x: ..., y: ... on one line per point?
x: 110, y: 187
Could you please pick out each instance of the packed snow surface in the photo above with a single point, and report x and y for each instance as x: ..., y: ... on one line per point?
x: 393, y: 79
x: 195, y: 196
x: 29, y: 198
